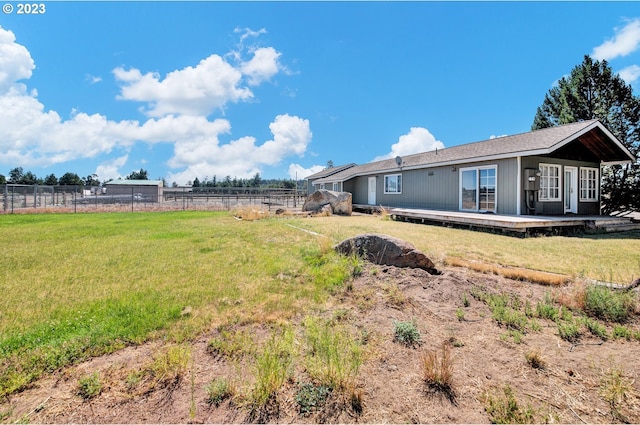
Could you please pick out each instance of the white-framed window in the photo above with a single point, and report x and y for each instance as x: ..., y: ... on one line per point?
x: 393, y: 183
x: 478, y: 188
x: 549, y: 182
x: 336, y: 187
x: 588, y: 184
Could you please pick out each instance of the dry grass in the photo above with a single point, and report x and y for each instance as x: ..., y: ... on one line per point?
x: 437, y: 370
x: 251, y: 213
x: 515, y: 273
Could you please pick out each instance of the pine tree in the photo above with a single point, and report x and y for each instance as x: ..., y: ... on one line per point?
x: 593, y: 91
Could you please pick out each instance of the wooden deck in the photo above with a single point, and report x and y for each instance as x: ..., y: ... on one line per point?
x: 510, y: 223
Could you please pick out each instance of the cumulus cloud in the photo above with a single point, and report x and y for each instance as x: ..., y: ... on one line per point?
x: 110, y: 170
x: 625, y: 41
x: 297, y: 171
x: 15, y: 61
x: 177, y: 105
x: 630, y: 74
x: 418, y: 140
x: 241, y: 157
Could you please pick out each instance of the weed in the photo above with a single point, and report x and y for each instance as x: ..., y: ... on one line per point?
x: 515, y: 335
x: 596, y: 328
x: 534, y: 359
x: 334, y: 357
x: 310, y: 397
x: 569, y: 331
x: 169, y: 366
x: 89, y: 386
x: 505, y: 409
x: 605, y: 304
x: 133, y: 379
x: 218, y: 390
x: 394, y: 296
x: 273, y: 365
x: 460, y: 314
x: 407, y: 333
x: 546, y: 309
x: 437, y: 370
x: 356, y: 400
x: 231, y: 344
x: 465, y: 300
x: 615, y: 388
x: 620, y: 331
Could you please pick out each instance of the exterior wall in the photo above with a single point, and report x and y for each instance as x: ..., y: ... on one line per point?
x: 557, y: 207
x: 437, y: 187
x: 149, y: 193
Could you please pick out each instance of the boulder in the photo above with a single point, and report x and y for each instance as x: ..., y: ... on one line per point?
x: 340, y: 202
x: 383, y: 249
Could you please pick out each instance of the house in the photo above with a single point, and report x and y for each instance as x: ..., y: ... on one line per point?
x: 138, y: 190
x: 312, y: 184
x: 551, y: 171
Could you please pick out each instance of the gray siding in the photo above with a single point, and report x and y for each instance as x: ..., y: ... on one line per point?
x: 437, y: 187
x: 557, y: 207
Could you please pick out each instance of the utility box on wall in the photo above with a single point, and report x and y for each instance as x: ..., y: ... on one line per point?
x: 531, y: 179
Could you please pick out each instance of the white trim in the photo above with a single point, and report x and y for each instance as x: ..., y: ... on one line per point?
x: 519, y: 186
x: 596, y: 182
x: 398, y: 177
x: 477, y: 182
x: 549, y: 199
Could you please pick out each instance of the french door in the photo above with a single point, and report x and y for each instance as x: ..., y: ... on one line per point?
x: 478, y: 189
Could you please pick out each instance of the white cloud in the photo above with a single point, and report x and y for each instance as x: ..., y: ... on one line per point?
x: 630, y: 74
x: 625, y: 41
x: 198, y: 90
x: 299, y: 172
x: 93, y: 79
x: 418, y: 140
x: 110, y: 169
x: 493, y: 136
x: 31, y: 135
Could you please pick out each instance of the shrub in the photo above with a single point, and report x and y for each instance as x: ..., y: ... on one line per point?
x: 218, y: 390
x: 596, y: 328
x: 437, y: 370
x: 616, y: 389
x: 535, y: 360
x: 170, y: 365
x: 309, y: 397
x: 505, y: 409
x: 569, y: 331
x: 620, y: 331
x: 89, y: 386
x: 605, y: 304
x: 407, y: 333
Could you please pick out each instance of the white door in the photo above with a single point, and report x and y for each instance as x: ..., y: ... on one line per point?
x: 571, y: 190
x: 372, y: 191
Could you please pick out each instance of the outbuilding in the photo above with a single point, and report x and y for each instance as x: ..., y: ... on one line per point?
x: 138, y: 190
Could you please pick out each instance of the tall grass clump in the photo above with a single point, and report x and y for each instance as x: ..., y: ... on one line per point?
x: 437, y: 370
x: 606, y: 304
x: 333, y: 356
x: 273, y: 366
x: 504, y: 408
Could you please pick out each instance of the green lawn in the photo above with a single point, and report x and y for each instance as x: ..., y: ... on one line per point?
x: 77, y: 285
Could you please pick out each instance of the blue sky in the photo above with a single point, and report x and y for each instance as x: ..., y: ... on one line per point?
x: 197, y: 89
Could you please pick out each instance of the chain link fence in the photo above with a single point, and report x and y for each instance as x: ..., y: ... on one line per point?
x: 39, y: 198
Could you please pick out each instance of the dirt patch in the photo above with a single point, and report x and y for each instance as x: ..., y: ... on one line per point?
x: 574, y: 383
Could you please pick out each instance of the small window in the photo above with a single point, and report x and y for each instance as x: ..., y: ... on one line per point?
x: 393, y: 183
x: 588, y: 184
x: 336, y: 187
x: 549, y: 182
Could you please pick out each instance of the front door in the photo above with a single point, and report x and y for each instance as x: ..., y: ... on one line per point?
x: 571, y: 190
x: 372, y: 191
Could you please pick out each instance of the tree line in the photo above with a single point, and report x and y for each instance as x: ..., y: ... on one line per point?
x: 19, y: 176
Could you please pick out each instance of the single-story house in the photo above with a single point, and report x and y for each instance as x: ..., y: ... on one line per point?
x: 550, y: 171
x: 312, y: 180
x: 138, y: 190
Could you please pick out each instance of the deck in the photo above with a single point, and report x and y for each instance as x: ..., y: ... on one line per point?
x: 510, y: 223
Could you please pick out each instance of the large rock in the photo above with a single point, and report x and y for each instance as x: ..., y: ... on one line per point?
x: 383, y: 249
x: 340, y: 202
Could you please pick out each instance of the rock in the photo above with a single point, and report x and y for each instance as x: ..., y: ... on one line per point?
x: 383, y: 249
x: 340, y: 202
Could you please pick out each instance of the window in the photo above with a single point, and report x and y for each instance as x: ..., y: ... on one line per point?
x: 336, y: 187
x: 549, y: 182
x: 478, y: 188
x: 393, y: 183
x: 588, y: 184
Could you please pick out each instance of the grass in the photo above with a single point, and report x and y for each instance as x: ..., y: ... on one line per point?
x: 504, y: 408
x: 437, y: 370
x: 89, y: 386
x: 218, y: 390
x: 80, y: 285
